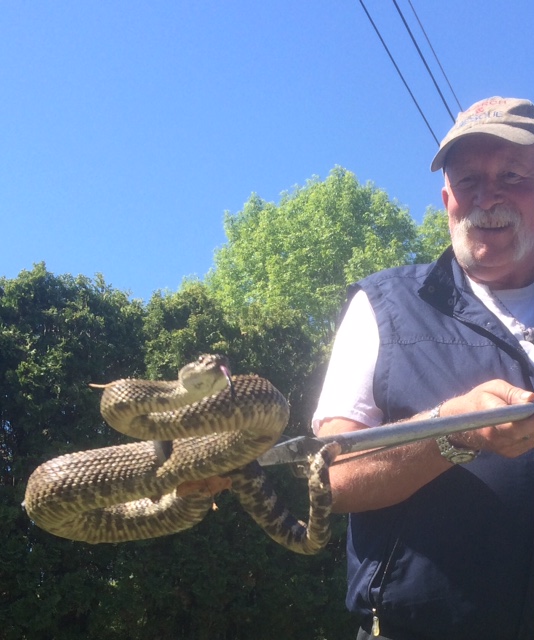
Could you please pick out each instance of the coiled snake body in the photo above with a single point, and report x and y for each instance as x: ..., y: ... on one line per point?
x: 193, y: 429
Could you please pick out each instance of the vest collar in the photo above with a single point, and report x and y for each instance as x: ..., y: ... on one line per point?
x: 446, y: 289
x: 445, y: 285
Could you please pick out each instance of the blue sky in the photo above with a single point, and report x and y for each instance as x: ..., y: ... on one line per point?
x: 128, y: 128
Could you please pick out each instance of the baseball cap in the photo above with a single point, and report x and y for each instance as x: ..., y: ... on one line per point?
x: 511, y: 119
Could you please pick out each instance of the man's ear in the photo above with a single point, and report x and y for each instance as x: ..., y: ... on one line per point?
x: 445, y: 197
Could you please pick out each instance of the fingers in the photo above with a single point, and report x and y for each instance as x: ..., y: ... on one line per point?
x: 510, y: 439
x: 515, y: 395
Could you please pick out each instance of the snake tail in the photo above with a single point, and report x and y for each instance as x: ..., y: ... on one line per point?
x: 258, y: 498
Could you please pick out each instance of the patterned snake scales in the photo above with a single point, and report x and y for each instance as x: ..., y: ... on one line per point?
x: 202, y: 425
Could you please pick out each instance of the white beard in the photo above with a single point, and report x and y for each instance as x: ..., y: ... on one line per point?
x: 498, y: 216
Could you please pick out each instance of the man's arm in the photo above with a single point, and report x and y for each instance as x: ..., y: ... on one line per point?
x: 387, y: 478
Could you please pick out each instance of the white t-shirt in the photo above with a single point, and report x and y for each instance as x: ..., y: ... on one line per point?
x: 348, y: 386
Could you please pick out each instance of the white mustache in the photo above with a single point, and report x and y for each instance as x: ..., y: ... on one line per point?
x: 499, y: 217
x: 496, y: 218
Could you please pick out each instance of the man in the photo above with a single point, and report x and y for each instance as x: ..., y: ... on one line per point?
x: 441, y: 533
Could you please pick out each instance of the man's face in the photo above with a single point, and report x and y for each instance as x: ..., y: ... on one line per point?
x: 489, y: 196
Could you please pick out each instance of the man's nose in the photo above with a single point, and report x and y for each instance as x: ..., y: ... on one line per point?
x: 488, y: 194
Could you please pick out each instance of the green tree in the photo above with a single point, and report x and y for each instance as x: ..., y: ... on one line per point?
x: 56, y: 335
x: 180, y: 326
x: 294, y: 260
x: 433, y: 235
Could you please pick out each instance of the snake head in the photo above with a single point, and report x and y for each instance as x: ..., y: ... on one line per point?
x: 207, y: 375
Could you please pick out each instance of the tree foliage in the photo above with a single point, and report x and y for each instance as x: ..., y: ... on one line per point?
x: 56, y: 335
x: 295, y: 260
x: 433, y: 235
x: 179, y: 326
x: 270, y: 304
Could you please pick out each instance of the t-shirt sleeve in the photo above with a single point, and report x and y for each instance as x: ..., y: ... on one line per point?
x: 348, y: 386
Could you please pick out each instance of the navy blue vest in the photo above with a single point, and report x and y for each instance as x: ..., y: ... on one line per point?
x: 454, y: 560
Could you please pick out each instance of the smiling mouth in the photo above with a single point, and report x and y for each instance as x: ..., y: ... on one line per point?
x: 498, y: 219
x: 492, y: 225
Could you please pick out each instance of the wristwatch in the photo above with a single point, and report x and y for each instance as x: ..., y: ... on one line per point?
x: 455, y: 455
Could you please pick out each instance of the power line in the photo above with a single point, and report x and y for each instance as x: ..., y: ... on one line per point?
x: 435, y: 55
x: 423, y: 59
x: 399, y: 71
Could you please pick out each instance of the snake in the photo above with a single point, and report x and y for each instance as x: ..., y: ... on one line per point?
x: 206, y: 424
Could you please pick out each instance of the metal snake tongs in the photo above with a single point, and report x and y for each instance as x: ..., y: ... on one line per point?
x: 392, y: 435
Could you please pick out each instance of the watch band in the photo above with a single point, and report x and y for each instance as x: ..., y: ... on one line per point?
x: 455, y: 455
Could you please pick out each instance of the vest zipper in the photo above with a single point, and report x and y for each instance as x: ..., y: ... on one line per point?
x: 375, y: 628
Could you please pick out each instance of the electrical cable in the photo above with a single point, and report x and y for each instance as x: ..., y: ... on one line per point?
x: 399, y: 71
x: 435, y: 55
x: 423, y: 59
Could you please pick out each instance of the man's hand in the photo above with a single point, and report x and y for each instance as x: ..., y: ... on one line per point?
x: 511, y: 439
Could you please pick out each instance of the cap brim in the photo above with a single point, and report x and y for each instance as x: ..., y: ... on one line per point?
x: 512, y: 134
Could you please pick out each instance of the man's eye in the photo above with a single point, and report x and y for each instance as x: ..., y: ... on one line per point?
x: 512, y: 178
x: 466, y: 181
